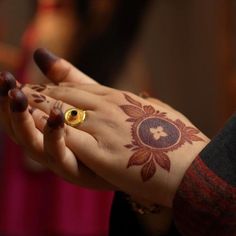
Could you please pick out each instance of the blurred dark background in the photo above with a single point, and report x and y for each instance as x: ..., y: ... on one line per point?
x: 187, y: 47
x: 182, y: 52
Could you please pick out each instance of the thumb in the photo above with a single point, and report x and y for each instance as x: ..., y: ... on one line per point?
x: 59, y: 70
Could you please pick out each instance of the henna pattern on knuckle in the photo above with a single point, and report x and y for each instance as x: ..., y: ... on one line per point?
x: 38, y: 98
x: 58, y: 105
x: 39, y: 87
x: 153, y: 136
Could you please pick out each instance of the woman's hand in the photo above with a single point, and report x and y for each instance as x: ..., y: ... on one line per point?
x: 18, y: 123
x: 142, y: 148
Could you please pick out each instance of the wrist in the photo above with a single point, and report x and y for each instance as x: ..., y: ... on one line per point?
x: 181, y: 161
x: 162, y: 188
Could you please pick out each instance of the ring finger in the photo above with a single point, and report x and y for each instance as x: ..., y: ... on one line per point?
x: 45, y: 104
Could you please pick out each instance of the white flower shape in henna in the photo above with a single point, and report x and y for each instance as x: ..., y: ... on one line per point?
x: 153, y: 136
x: 158, y: 132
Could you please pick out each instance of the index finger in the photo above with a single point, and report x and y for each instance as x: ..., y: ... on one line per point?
x: 59, y: 70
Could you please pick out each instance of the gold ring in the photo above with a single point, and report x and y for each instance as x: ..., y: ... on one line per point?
x: 74, y: 116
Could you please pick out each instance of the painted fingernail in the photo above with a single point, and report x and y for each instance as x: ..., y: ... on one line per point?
x: 44, y: 59
x: 56, y: 119
x: 7, y: 82
x: 18, y: 100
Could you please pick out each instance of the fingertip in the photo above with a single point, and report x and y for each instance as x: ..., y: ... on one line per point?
x: 54, y: 142
x: 17, y: 99
x: 44, y: 59
x: 56, y: 119
x: 7, y: 82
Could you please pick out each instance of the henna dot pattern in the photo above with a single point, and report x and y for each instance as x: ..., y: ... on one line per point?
x: 153, y: 136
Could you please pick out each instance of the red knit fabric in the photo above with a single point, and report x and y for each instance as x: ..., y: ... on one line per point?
x: 205, y: 204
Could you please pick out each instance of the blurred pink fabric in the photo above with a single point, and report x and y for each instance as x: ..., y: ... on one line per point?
x: 39, y: 203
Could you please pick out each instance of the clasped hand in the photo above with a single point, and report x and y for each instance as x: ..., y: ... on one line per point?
x: 140, y: 146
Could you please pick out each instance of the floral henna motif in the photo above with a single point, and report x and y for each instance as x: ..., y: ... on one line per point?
x: 153, y: 136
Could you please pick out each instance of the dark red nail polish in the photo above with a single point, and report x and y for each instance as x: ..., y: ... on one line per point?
x: 18, y: 100
x: 56, y: 119
x: 7, y: 82
x: 44, y: 59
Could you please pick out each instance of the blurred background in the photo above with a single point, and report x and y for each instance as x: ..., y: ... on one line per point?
x: 186, y: 49
x: 182, y: 52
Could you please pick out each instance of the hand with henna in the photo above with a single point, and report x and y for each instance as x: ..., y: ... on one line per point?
x: 142, y: 147
x: 16, y: 120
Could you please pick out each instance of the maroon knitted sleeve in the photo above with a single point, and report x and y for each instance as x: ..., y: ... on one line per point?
x: 205, y: 203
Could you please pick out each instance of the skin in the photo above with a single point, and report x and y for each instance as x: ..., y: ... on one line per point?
x: 59, y: 70
x: 72, y: 170
x: 113, y: 141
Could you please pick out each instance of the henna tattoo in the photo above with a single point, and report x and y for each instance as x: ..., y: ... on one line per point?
x: 55, y: 119
x: 38, y: 98
x: 7, y: 82
x: 44, y: 59
x: 39, y: 87
x: 18, y: 100
x: 153, y: 136
x: 58, y: 105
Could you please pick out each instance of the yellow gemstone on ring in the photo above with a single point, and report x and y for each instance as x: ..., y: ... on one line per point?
x: 74, y: 116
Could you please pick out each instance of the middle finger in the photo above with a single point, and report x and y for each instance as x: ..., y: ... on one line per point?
x: 70, y: 95
x: 46, y: 104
